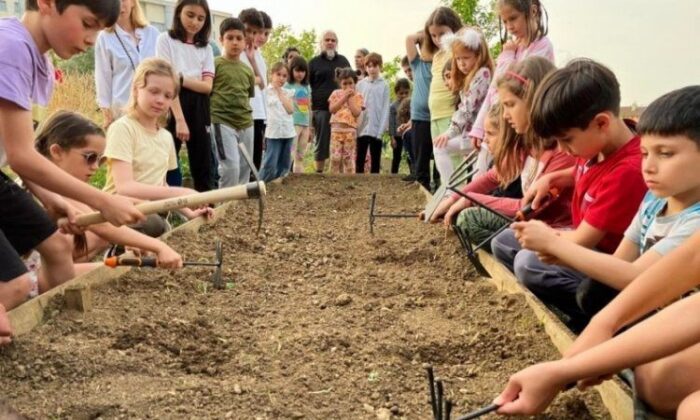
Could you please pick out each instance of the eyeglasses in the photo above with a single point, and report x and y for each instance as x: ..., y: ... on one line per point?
x: 92, y: 158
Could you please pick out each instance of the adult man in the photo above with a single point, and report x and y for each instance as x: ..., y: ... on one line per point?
x: 322, y: 81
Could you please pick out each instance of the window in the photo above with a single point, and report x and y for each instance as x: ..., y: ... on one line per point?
x: 3, y: 6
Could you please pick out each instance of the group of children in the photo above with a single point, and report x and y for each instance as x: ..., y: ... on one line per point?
x: 612, y: 199
x: 616, y: 205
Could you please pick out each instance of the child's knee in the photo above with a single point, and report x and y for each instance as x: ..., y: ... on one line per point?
x: 524, y: 267
x: 689, y: 407
x: 15, y: 291
x: 55, y: 246
x: 502, y: 248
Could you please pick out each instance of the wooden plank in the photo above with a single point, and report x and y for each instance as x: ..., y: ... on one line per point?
x: 616, y: 398
x: 30, y: 314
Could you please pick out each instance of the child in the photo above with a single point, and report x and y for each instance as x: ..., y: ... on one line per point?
x: 526, y: 22
x: 75, y: 145
x: 118, y: 51
x: 139, y: 151
x: 186, y: 47
x: 231, y: 112
x: 402, y: 89
x: 663, y: 349
x: 442, y: 22
x: 470, y: 77
x: 28, y: 79
x: 421, y: 140
x: 375, y: 92
x: 406, y: 67
x: 519, y: 154
x: 251, y: 56
x: 669, y: 214
x: 403, y: 117
x: 290, y: 54
x: 579, y: 106
x: 299, y: 82
x: 345, y: 105
x: 280, y: 132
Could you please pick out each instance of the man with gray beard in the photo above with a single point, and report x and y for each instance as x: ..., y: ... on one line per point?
x: 323, y: 83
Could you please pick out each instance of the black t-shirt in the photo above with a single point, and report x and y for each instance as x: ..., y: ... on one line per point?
x: 322, y: 79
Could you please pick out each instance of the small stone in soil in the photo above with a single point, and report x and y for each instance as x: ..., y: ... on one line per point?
x: 343, y: 299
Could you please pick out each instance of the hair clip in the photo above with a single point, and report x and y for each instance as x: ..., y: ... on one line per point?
x: 469, y: 37
x: 515, y: 75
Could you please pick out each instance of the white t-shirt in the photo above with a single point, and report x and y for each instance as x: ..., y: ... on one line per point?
x: 280, y: 123
x: 257, y: 102
x: 192, y: 61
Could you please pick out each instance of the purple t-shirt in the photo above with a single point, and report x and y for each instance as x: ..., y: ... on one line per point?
x: 26, y: 75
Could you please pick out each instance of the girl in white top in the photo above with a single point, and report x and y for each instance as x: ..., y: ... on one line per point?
x: 186, y: 47
x: 280, y: 132
x: 118, y: 51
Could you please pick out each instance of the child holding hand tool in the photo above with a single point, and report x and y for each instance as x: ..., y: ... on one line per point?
x: 518, y: 154
x: 75, y: 145
x: 663, y: 349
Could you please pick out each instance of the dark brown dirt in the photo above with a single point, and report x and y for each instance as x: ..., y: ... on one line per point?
x: 319, y: 320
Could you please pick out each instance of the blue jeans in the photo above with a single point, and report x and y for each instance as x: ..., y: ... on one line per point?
x: 553, y: 284
x: 277, y: 159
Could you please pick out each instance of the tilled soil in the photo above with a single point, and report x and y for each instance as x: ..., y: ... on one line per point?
x: 319, y: 320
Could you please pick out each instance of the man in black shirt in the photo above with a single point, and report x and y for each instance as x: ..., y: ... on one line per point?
x: 322, y: 81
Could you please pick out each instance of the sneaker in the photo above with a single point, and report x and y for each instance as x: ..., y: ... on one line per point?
x: 409, y: 178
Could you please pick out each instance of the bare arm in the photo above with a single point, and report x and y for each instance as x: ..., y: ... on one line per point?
x: 411, y: 41
x: 124, y: 182
x: 203, y: 85
x: 287, y: 102
x: 539, y: 189
x: 334, y: 104
x: 17, y: 137
x: 355, y: 108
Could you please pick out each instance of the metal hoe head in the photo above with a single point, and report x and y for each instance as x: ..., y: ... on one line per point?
x: 373, y: 216
x: 256, y: 175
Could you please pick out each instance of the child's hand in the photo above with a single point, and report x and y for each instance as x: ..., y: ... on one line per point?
x: 536, y: 235
x: 537, y: 192
x: 403, y: 128
x: 393, y: 143
x: 510, y: 45
x: 531, y: 390
x: 250, y: 53
x: 58, y: 208
x: 476, y: 142
x: 440, y: 141
x: 181, y: 130
x: 120, y: 210
x: 454, y: 211
x: 168, y: 258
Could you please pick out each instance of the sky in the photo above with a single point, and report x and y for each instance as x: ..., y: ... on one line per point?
x: 651, y: 45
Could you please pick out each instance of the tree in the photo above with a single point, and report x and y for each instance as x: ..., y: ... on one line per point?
x: 482, y: 15
x: 79, y: 64
x: 283, y: 37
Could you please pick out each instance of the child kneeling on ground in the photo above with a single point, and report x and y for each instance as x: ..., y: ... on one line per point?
x: 668, y: 215
x: 579, y: 106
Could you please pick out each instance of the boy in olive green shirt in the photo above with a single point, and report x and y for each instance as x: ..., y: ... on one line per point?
x: 231, y: 114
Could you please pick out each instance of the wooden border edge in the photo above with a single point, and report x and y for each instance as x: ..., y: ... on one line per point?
x: 30, y: 314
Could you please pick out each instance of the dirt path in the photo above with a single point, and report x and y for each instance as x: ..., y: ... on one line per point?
x: 320, y: 320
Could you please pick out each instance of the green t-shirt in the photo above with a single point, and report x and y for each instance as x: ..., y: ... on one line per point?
x: 234, y: 85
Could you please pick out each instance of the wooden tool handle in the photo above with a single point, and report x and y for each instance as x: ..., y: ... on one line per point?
x: 239, y: 192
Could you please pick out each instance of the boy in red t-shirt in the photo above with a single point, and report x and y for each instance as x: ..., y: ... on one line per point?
x: 579, y: 106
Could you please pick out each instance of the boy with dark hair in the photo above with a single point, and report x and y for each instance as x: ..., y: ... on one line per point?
x: 402, y: 89
x: 26, y: 78
x: 579, y: 105
x: 664, y: 348
x: 254, y: 34
x: 231, y: 112
x: 670, y: 211
x: 375, y: 118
